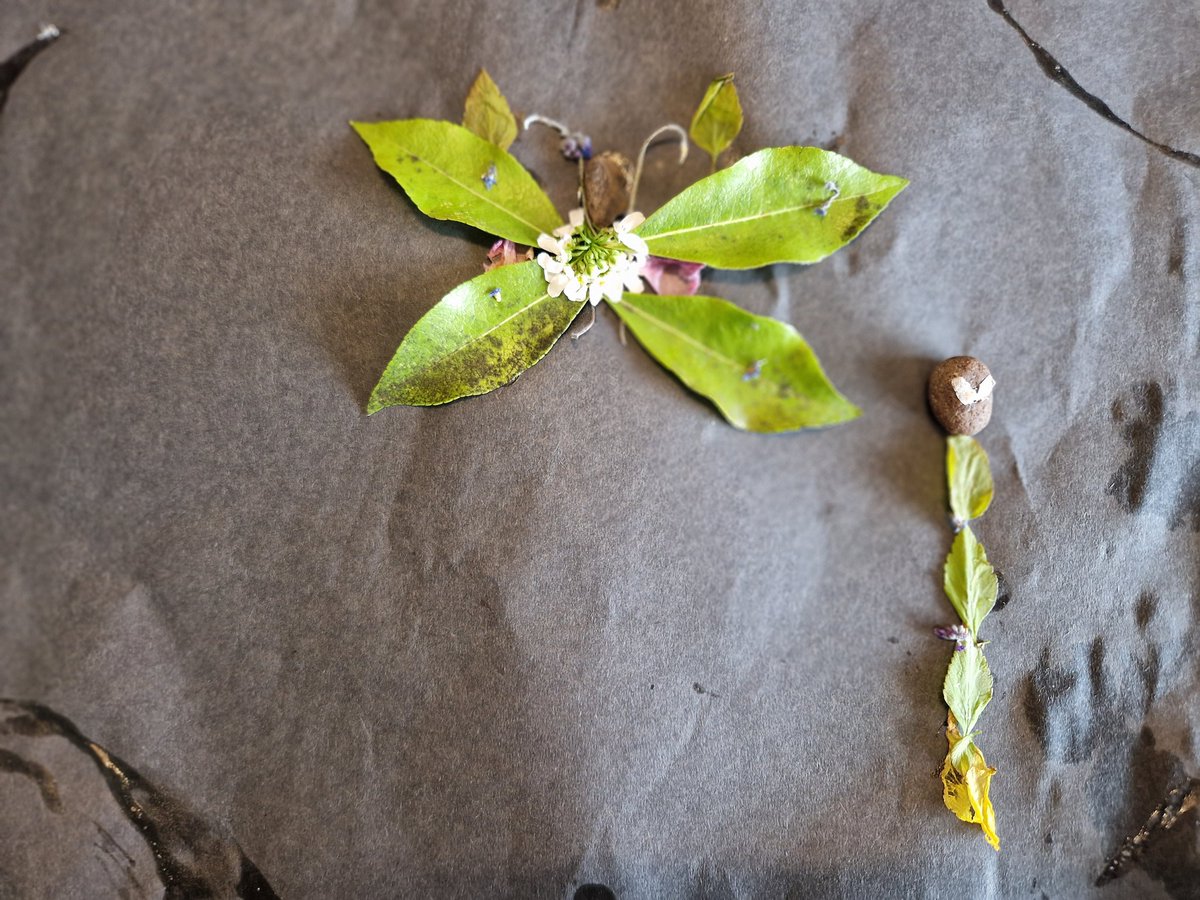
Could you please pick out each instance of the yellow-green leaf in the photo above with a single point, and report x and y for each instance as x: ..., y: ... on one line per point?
x: 760, y: 372
x: 968, y: 685
x: 481, y: 335
x: 966, y: 784
x: 969, y: 477
x: 776, y: 205
x: 453, y: 174
x: 970, y: 580
x: 487, y: 113
x: 718, y: 118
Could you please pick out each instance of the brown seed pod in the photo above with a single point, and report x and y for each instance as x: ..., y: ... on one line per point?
x: 960, y: 394
x: 607, y: 181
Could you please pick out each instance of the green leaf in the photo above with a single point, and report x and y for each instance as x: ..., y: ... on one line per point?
x: 444, y: 168
x: 970, y: 580
x: 969, y: 478
x: 487, y: 113
x: 718, y: 118
x: 472, y: 342
x: 758, y: 371
x: 766, y: 209
x: 968, y: 686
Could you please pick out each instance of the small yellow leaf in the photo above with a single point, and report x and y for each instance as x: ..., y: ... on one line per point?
x: 965, y: 784
x: 488, y: 114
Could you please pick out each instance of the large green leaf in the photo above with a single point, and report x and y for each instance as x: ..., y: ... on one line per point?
x: 487, y: 113
x: 475, y: 340
x: 970, y: 580
x: 767, y: 208
x: 968, y: 686
x: 758, y: 371
x: 718, y: 118
x: 446, y: 170
x: 969, y: 478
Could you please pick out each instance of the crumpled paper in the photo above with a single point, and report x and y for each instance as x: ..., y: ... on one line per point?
x: 580, y: 631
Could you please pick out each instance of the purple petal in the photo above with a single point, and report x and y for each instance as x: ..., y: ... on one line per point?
x: 957, y: 633
x: 672, y: 276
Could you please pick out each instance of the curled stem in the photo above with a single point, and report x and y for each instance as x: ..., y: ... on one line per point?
x: 536, y: 119
x: 641, y: 160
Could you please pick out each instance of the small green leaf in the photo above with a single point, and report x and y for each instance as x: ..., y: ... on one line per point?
x: 487, y: 113
x: 970, y: 580
x: 718, y: 118
x: 759, y: 372
x: 969, y: 478
x: 446, y: 170
x: 766, y: 208
x: 475, y: 339
x: 968, y: 686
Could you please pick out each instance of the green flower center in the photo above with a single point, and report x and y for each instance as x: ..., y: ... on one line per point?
x: 593, y: 251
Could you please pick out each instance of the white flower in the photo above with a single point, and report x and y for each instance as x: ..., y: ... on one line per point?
x: 588, y: 264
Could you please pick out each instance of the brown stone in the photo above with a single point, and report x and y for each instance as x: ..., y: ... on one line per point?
x: 952, y: 414
x: 607, y: 181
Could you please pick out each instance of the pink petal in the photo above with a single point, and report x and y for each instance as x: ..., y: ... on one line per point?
x: 672, y: 276
x: 504, y: 253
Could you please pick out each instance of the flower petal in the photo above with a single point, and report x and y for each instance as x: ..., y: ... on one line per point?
x: 629, y: 222
x: 672, y: 276
x: 549, y: 244
x: 549, y: 264
x: 575, y: 217
x: 635, y: 243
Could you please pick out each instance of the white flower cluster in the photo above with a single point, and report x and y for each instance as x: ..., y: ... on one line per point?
x: 591, y: 264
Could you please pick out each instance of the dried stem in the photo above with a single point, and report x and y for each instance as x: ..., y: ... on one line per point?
x: 641, y: 160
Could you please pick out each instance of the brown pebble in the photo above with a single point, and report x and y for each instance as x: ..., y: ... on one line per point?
x: 607, y: 181
x: 953, y: 415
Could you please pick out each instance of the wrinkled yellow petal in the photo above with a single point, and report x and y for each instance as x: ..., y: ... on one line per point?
x: 965, y: 785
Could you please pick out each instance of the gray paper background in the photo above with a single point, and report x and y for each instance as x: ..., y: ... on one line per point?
x: 580, y: 630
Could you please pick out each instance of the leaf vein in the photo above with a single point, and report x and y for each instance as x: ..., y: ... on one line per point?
x: 475, y: 193
x: 777, y: 212
x: 685, y: 336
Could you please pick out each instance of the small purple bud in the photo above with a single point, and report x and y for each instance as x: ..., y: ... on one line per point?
x: 957, y: 633
x: 576, y: 146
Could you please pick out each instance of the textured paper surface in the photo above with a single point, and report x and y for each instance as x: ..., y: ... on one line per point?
x: 580, y: 630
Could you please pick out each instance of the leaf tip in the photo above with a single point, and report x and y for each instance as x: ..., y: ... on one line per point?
x: 375, y: 403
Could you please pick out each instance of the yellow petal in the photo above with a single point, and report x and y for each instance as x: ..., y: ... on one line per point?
x: 965, y: 785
